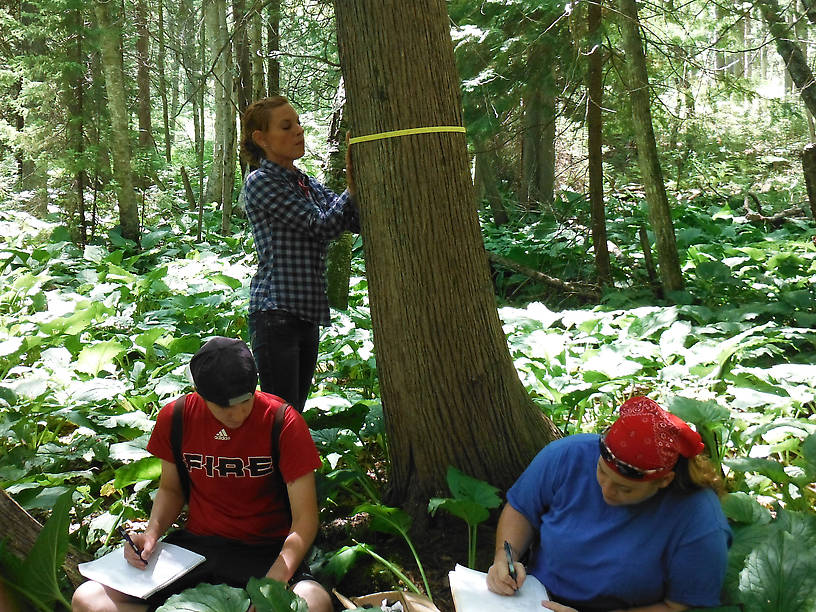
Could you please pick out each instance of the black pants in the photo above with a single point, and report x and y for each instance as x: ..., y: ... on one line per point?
x: 285, y: 349
x: 229, y: 562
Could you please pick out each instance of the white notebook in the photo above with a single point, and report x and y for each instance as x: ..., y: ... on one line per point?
x: 167, y: 563
x: 470, y: 594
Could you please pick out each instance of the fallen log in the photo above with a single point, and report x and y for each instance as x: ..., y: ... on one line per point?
x: 20, y: 530
x: 589, y: 292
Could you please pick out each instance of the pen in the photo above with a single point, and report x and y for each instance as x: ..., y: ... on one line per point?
x: 135, y: 548
x: 510, y: 567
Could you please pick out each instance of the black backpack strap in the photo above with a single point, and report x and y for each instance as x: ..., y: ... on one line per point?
x: 176, y: 432
x: 276, y: 432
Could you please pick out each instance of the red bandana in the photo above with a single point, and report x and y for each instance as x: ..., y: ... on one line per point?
x: 648, y: 438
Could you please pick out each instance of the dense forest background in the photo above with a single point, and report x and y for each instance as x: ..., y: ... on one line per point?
x: 645, y: 186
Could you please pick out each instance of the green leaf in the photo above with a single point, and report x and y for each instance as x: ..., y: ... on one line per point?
x: 697, y: 412
x: 269, y: 595
x: 467, y: 510
x: 386, y: 519
x: 229, y: 281
x: 341, y: 561
x: 148, y: 468
x: 742, y: 508
x: 41, y: 570
x: 808, y: 450
x: 779, y: 576
x: 464, y: 487
x: 772, y: 469
x: 207, y: 598
x: 100, y: 356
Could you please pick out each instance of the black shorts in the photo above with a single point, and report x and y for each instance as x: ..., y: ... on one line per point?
x: 230, y: 562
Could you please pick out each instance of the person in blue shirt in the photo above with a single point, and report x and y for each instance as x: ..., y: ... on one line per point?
x: 630, y: 520
x: 293, y: 219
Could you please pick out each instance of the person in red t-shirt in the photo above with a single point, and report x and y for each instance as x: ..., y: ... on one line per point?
x: 239, y: 510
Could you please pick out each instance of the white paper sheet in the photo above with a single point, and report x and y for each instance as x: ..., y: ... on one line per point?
x: 168, y: 563
x: 470, y: 594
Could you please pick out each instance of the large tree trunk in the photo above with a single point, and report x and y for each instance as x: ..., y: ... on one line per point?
x: 595, y: 143
x: 790, y: 51
x: 110, y: 42
x: 648, y: 160
x: 19, y: 530
x: 450, y: 392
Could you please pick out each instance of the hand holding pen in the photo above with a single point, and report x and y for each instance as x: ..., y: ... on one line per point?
x: 511, y: 567
x: 132, y: 544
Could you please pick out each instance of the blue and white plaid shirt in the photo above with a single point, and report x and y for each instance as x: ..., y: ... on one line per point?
x: 293, y: 219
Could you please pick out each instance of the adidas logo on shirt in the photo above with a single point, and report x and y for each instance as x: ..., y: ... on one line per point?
x: 221, y: 435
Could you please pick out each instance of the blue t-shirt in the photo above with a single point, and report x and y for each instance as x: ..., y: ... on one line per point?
x: 671, y: 546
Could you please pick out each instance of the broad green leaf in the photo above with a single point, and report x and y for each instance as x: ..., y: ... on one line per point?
x: 341, y: 561
x: 229, y: 281
x: 42, y: 568
x: 386, y: 519
x: 352, y: 417
x: 464, y: 487
x: 148, y: 468
x: 779, y: 576
x: 646, y: 324
x: 467, y: 510
x: 808, y: 450
x: 207, y: 598
x: 269, y: 595
x: 767, y: 467
x: 697, y: 412
x: 743, y: 508
x: 100, y: 356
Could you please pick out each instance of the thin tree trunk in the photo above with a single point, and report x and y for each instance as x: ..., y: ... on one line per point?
x: 338, y: 259
x: 648, y: 160
x: 228, y: 128
x: 595, y: 143
x: 486, y: 182
x: 809, y: 169
x: 450, y: 392
x: 143, y: 75
x: 255, y: 48
x: 538, y: 148
x: 272, y: 47
x: 110, y: 43
x: 160, y: 68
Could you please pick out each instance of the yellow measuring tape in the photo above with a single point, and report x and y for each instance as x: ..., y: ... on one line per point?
x: 396, y: 133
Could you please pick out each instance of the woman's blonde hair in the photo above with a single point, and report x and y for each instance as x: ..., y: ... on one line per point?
x: 697, y: 473
x: 256, y: 117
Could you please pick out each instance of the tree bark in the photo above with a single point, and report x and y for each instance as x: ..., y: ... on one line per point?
x: 450, y: 392
x: 272, y: 47
x: 595, y: 143
x: 110, y: 42
x: 338, y: 259
x: 648, y: 160
x: 538, y: 146
x: 486, y: 182
x: 143, y: 75
x: 160, y: 68
x: 255, y: 48
x: 19, y: 530
x: 809, y: 169
x: 790, y: 52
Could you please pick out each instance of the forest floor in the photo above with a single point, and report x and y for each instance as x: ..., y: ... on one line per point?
x: 440, y: 545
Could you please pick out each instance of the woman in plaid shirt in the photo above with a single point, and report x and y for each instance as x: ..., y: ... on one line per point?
x: 293, y: 219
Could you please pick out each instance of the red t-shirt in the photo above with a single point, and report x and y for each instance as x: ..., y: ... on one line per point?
x: 233, y: 491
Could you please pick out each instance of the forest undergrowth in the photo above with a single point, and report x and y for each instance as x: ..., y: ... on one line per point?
x: 94, y: 340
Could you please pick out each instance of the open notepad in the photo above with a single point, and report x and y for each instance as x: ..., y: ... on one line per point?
x: 470, y: 594
x: 167, y: 563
